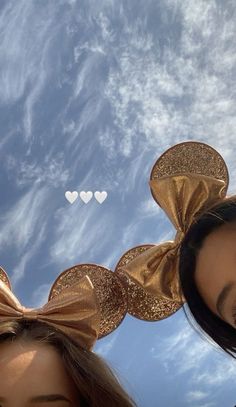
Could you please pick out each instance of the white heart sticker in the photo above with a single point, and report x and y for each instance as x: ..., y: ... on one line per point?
x: 71, y: 196
x: 86, y: 196
x: 100, y: 196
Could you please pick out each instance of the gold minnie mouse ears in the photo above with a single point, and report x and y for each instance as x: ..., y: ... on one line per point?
x: 86, y: 301
x: 142, y: 304
x: 191, y: 157
x: 110, y: 291
x: 186, y: 180
x: 4, y: 278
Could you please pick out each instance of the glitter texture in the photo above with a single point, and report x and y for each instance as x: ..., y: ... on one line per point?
x: 141, y: 304
x: 109, y: 288
x: 191, y: 157
x: 116, y: 292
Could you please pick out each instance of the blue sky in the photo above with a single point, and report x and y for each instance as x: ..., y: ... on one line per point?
x: 91, y: 94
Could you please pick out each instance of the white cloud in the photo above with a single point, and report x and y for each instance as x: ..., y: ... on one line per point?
x: 195, y: 395
x: 87, y: 235
x: 25, y: 171
x: 19, y: 223
x: 184, y: 351
x: 103, y: 349
x: 40, y: 295
x: 186, y: 93
x: 25, y: 54
x: 149, y: 207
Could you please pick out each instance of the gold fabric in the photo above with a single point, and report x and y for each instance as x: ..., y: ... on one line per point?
x: 182, y: 197
x: 75, y: 311
x: 188, y: 179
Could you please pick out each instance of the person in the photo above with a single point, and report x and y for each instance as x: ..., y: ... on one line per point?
x: 46, y: 353
x: 207, y: 271
x: 196, y: 271
x: 39, y: 364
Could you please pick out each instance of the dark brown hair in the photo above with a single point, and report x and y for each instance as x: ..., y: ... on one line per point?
x: 97, y: 384
x: 223, y: 334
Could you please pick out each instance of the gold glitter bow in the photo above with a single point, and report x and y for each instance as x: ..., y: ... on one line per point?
x: 185, y: 181
x: 86, y: 302
x: 74, y: 311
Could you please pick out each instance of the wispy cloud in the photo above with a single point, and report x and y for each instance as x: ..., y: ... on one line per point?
x: 180, y: 91
x: 82, y: 232
x: 19, y: 225
x: 40, y: 295
x: 184, y: 352
x: 91, y: 94
x: 103, y: 349
x: 195, y: 395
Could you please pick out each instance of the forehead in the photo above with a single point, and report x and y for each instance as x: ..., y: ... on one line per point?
x: 219, y: 241
x: 20, y: 349
x: 31, y: 361
x: 30, y: 369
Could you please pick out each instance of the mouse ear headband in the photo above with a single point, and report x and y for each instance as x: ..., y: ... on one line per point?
x: 188, y: 179
x: 86, y: 302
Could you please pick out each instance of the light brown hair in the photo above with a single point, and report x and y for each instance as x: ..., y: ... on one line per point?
x: 97, y: 385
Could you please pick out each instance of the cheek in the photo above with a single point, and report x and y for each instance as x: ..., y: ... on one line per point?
x: 208, y: 284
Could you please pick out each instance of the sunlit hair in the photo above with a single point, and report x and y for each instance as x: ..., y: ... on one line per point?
x: 223, y: 334
x: 96, y: 383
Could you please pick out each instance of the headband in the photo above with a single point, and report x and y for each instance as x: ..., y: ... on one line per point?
x: 187, y: 180
x: 89, y: 301
x: 86, y: 302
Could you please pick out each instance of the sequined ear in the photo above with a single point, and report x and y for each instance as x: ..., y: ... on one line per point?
x: 191, y: 157
x: 4, y: 277
x: 110, y: 290
x: 141, y: 304
x: 185, y: 180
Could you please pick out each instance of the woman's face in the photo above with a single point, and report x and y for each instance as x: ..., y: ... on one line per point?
x: 31, y: 373
x: 216, y: 272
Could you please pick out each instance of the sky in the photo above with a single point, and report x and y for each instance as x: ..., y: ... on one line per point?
x: 91, y: 94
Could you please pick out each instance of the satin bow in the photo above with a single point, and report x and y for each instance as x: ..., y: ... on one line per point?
x: 75, y: 311
x: 182, y: 197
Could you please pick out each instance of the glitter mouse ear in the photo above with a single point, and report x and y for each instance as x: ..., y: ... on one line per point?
x: 4, y: 277
x: 141, y: 304
x: 186, y: 180
x: 86, y: 302
x: 109, y: 288
x: 191, y: 157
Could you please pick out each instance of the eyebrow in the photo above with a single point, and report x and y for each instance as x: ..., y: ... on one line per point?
x: 46, y: 397
x: 220, y: 303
